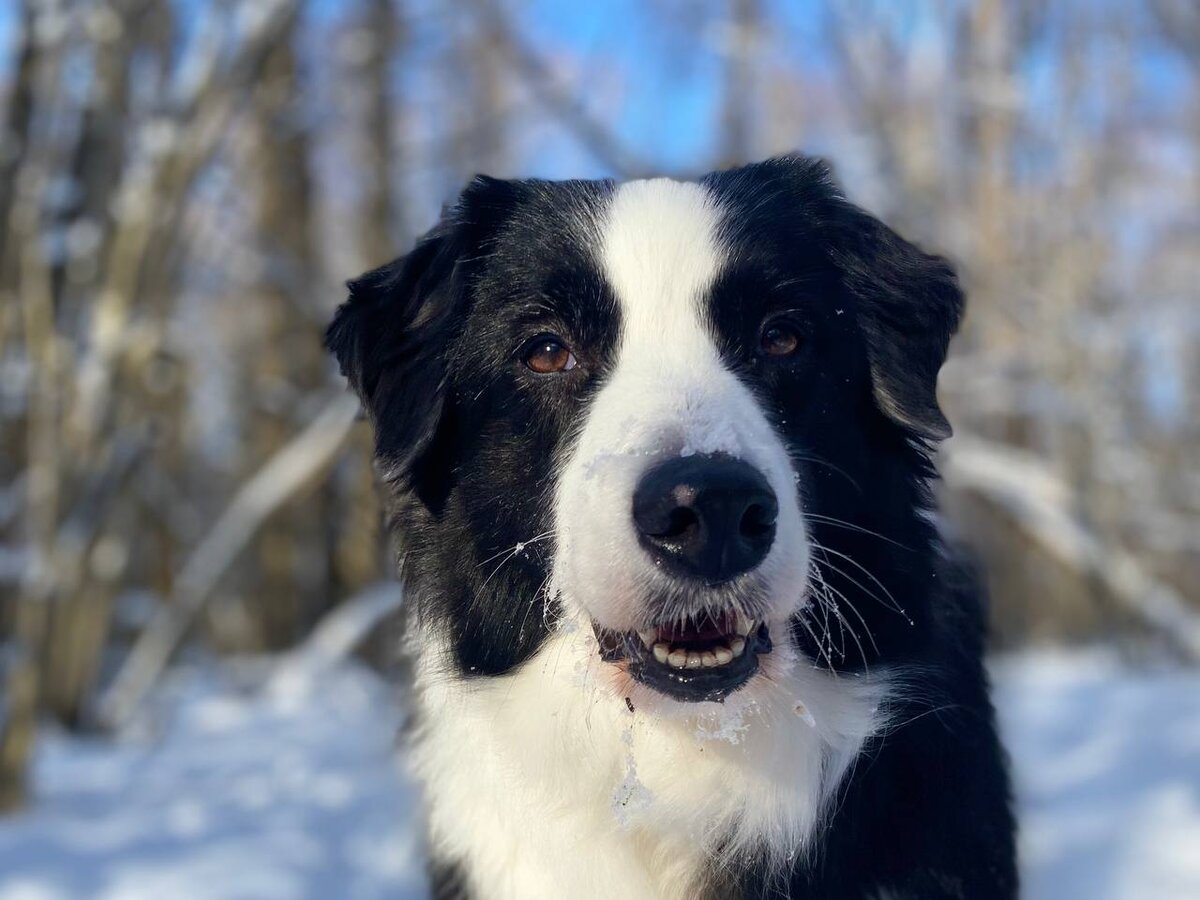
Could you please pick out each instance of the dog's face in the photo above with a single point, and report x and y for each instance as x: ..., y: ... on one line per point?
x: 633, y: 406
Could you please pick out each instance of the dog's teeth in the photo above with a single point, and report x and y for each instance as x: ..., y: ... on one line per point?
x: 648, y: 637
x: 681, y: 658
x: 744, y: 625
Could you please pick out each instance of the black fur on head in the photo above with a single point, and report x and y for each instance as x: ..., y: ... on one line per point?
x: 469, y: 442
x: 390, y: 336
x: 909, y: 308
x: 466, y: 449
x: 908, y: 301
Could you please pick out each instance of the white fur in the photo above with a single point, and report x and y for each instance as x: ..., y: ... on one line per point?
x: 543, y: 783
x: 669, y: 394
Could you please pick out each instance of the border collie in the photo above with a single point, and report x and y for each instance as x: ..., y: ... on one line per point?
x: 681, y: 625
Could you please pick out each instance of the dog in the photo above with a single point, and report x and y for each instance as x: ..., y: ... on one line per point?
x: 680, y: 620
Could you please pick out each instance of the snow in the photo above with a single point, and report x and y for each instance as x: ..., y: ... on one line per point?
x: 293, y: 790
x: 289, y: 792
x: 1107, y: 766
x: 631, y: 796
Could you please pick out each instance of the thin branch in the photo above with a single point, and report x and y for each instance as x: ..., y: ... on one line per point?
x: 563, y: 101
x: 280, y: 478
x: 1041, y: 505
x: 1179, y: 21
x: 338, y: 634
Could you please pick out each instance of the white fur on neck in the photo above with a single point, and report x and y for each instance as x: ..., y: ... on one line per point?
x: 542, y: 783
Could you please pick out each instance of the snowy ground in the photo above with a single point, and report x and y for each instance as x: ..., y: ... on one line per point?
x: 293, y: 792
x: 1107, y: 767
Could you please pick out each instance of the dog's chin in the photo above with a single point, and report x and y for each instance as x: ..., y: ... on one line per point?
x: 692, y: 661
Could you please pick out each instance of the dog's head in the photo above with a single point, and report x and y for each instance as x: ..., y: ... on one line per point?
x: 634, y: 405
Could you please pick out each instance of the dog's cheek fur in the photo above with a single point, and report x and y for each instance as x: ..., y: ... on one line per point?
x: 476, y: 562
x: 487, y: 587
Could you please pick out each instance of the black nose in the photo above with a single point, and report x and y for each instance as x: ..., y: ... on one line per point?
x: 706, y: 517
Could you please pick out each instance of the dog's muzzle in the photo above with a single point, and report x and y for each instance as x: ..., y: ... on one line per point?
x: 706, y: 522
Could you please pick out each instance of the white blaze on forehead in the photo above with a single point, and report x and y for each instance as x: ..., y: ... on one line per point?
x: 661, y: 254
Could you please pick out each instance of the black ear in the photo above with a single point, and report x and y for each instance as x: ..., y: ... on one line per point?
x: 387, y: 338
x: 392, y: 335
x: 908, y: 301
x: 909, y: 306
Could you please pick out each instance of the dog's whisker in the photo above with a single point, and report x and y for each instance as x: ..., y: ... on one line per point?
x: 891, y: 602
x: 817, y: 642
x: 512, y: 553
x: 850, y: 526
x: 516, y: 548
x: 834, y: 594
x: 826, y: 599
x: 800, y: 456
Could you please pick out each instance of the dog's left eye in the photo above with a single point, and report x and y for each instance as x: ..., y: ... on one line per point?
x: 780, y: 338
x: 547, y: 354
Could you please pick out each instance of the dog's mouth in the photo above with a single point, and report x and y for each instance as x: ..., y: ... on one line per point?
x: 703, y: 659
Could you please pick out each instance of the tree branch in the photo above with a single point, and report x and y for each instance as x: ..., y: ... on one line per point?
x: 1041, y: 503
x: 281, y: 477
x: 559, y: 99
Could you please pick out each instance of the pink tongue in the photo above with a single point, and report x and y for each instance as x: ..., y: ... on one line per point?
x: 707, y: 630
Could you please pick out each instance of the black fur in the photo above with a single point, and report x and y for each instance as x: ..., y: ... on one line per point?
x: 468, y: 442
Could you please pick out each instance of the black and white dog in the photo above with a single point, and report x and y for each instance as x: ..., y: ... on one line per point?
x: 681, y: 623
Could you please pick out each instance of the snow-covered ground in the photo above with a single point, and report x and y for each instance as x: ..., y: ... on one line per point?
x: 1107, y: 769
x: 294, y: 791
x: 289, y: 792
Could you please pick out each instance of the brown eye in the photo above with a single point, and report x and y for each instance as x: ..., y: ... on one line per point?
x: 547, y: 354
x: 780, y: 339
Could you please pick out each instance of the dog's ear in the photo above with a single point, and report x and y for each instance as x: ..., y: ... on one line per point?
x: 392, y: 335
x: 908, y: 301
x: 383, y: 337
x: 909, y: 306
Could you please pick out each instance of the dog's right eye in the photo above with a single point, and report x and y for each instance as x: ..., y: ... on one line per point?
x: 547, y: 354
x: 780, y: 338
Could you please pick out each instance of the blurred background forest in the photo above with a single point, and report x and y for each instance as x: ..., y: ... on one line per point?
x: 185, y: 185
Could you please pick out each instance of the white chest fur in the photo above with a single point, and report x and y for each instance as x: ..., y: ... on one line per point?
x: 544, y: 784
